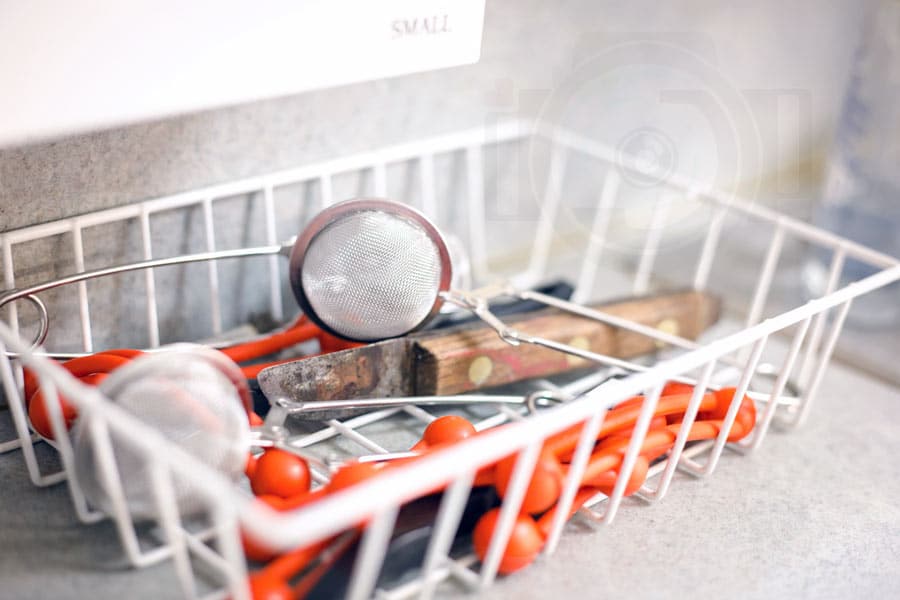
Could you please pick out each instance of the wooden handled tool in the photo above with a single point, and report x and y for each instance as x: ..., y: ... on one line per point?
x: 456, y: 360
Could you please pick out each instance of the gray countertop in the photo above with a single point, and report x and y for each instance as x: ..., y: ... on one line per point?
x: 813, y: 513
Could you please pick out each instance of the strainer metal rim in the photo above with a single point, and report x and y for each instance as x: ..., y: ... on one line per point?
x: 349, y: 207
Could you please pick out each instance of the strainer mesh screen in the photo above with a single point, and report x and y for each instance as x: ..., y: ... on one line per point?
x: 194, y: 406
x: 372, y: 275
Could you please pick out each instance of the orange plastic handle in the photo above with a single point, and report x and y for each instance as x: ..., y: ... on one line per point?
x: 101, y: 362
x: 90, y: 369
x: 601, y: 474
x: 301, y: 331
x: 624, y: 416
x: 272, y: 580
x: 550, y: 472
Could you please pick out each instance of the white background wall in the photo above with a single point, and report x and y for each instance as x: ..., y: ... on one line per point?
x: 776, y: 69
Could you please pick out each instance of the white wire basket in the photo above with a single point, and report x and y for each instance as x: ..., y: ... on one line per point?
x: 209, y: 560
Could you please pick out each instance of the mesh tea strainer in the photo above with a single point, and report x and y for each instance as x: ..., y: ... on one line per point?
x: 196, y: 398
x: 370, y: 269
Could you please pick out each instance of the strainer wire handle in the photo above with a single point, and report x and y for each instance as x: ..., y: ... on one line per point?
x: 31, y: 291
x: 645, y: 330
x: 478, y: 304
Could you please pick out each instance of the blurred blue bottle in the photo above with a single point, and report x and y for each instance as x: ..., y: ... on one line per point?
x: 861, y: 198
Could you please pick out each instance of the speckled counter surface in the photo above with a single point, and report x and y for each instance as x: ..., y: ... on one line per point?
x: 813, y: 513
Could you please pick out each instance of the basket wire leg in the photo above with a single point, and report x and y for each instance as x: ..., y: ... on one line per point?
x: 149, y: 280
x: 654, y: 495
x: 802, y: 411
x: 63, y: 443
x: 449, y: 514
x: 543, y: 237
x: 372, y: 549
x: 708, y: 253
x: 573, y: 479
x: 764, y: 283
x: 20, y: 422
x: 651, y: 399
x: 379, y: 179
x: 591, y: 259
x: 809, y: 357
x: 15, y: 443
x: 512, y: 502
x: 651, y: 244
x: 225, y: 521
x: 475, y: 212
x: 9, y: 282
x: 111, y: 483
x: 762, y: 426
x: 327, y: 190
x: 690, y: 465
x: 212, y: 273
x: 275, y: 302
x: 234, y: 574
x: 426, y: 181
x: 167, y: 511
x: 84, y: 309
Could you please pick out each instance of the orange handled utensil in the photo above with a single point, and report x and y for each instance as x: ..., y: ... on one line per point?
x: 91, y: 370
